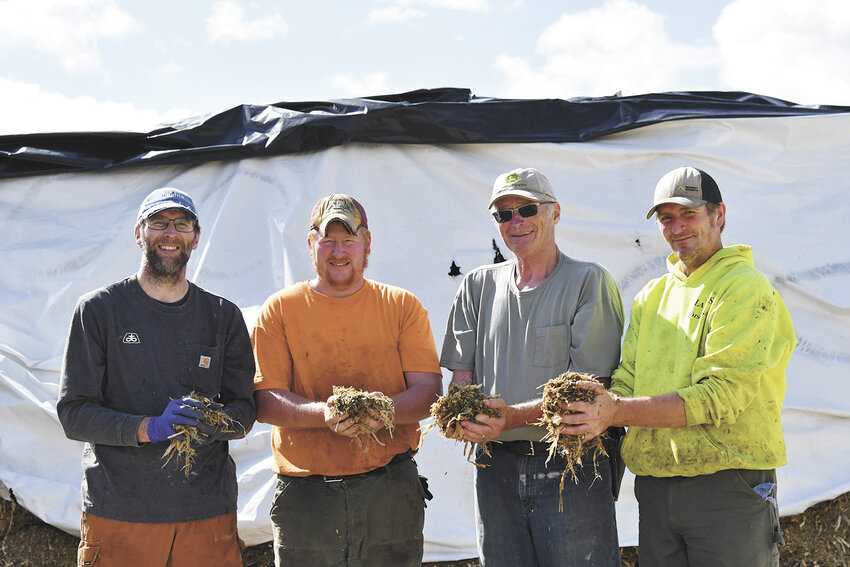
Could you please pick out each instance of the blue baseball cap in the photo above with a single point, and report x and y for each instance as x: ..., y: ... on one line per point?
x: 166, y: 198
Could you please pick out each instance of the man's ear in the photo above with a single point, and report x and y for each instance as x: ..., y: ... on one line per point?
x: 720, y: 211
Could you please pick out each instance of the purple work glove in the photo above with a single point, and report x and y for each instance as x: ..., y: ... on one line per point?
x: 208, y: 433
x: 182, y: 411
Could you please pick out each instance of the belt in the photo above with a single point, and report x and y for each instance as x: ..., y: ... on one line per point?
x: 523, y: 448
x: 400, y: 458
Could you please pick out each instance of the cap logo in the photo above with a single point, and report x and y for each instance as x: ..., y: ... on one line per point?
x: 512, y: 178
x: 344, y: 206
x: 691, y: 188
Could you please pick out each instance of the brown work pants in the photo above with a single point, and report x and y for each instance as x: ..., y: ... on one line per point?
x: 111, y: 543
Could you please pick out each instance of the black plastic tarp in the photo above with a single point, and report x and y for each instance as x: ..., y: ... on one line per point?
x: 435, y: 116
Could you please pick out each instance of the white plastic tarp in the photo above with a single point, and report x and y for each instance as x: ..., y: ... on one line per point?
x: 784, y: 181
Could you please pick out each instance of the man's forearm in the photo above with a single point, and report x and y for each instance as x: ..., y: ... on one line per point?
x: 285, y: 409
x: 413, y: 404
x: 667, y: 410
x: 461, y: 378
x: 526, y: 413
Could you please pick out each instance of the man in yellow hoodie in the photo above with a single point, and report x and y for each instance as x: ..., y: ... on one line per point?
x: 700, y: 387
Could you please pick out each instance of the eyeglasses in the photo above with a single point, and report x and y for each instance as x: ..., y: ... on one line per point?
x: 525, y: 211
x: 184, y: 224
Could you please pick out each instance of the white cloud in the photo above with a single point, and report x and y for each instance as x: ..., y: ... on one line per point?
x: 228, y: 21
x: 405, y: 10
x: 465, y: 5
x: 781, y: 48
x: 54, y: 112
x: 69, y: 30
x: 622, y: 46
x: 166, y: 71
x: 787, y: 49
x: 360, y: 85
x: 395, y: 14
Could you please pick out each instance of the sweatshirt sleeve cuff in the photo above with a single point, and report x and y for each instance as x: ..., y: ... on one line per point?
x: 694, y: 410
x: 130, y: 430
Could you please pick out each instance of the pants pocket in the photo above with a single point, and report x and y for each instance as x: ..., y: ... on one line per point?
x: 88, y: 554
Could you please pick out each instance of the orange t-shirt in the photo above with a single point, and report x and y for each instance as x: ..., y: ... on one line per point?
x: 306, y: 343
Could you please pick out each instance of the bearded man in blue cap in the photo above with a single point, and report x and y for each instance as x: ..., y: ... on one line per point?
x: 135, y: 351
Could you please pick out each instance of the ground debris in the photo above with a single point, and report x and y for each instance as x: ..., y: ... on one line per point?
x: 362, y: 406
x: 556, y: 393
x: 462, y: 403
x: 31, y: 542
x: 180, y: 446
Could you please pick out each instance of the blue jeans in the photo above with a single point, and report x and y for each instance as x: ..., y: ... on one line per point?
x: 516, y: 509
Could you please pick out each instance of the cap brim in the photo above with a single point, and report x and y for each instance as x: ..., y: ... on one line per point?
x: 515, y: 193
x: 337, y: 217
x: 684, y: 201
x: 158, y: 209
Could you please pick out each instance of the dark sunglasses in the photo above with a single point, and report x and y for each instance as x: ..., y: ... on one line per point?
x: 525, y: 211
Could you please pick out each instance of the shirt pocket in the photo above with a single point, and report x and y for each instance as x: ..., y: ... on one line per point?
x: 551, y: 346
x: 201, y: 369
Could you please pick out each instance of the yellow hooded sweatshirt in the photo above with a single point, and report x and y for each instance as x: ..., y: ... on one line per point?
x: 721, y: 339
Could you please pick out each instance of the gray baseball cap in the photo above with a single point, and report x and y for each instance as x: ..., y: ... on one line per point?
x: 686, y: 186
x: 525, y: 182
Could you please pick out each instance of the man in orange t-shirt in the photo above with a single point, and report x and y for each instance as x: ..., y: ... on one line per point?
x: 336, y: 501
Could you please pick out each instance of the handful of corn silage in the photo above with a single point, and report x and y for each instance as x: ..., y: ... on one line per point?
x: 462, y: 403
x: 362, y: 406
x: 180, y: 446
x: 557, y: 392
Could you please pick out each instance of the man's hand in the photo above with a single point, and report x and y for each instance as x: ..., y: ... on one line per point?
x: 347, y: 427
x: 182, y: 411
x: 590, y: 418
x: 487, y: 428
x: 208, y: 434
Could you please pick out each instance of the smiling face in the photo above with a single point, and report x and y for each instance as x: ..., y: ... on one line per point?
x: 693, y: 234
x: 527, y: 237
x: 166, y: 252
x: 339, y: 259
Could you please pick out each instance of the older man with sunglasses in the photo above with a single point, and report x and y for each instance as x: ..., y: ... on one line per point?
x: 512, y: 327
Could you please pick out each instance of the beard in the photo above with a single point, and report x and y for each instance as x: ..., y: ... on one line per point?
x: 165, y: 269
x: 338, y: 282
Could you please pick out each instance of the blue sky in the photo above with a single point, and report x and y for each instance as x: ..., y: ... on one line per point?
x: 74, y: 65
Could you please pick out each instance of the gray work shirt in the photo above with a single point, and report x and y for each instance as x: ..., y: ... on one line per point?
x: 515, y: 341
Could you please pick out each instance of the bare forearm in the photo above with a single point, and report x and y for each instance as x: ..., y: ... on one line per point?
x: 142, y: 431
x: 413, y: 404
x: 461, y: 378
x: 592, y: 419
x: 667, y: 410
x: 285, y: 409
x: 526, y: 413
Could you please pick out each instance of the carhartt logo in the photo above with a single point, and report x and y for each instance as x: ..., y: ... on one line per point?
x: 131, y: 339
x: 204, y: 362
